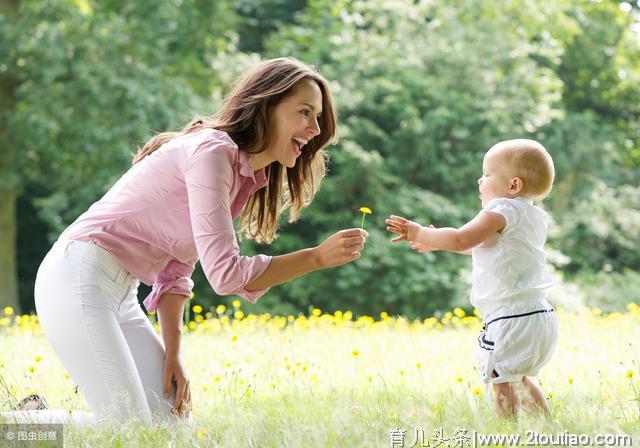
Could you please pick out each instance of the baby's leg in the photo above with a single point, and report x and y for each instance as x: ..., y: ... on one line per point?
x: 506, y: 401
x: 533, y: 397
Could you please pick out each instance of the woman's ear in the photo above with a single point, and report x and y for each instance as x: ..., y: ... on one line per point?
x: 516, y: 185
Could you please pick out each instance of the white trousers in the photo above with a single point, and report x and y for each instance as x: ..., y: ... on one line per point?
x: 88, y: 308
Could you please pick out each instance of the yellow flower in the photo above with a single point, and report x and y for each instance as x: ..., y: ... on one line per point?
x: 630, y: 374
x: 570, y: 380
x: 220, y: 309
x: 234, y: 338
x: 197, y: 309
x: 238, y: 315
x: 418, y: 365
x: 365, y: 211
x: 8, y: 310
x: 316, y: 312
x: 38, y: 358
x: 32, y: 369
x: 477, y: 391
x: 193, y: 294
x: 202, y: 434
x: 459, y: 379
x: 236, y: 304
x: 549, y: 395
x: 355, y: 352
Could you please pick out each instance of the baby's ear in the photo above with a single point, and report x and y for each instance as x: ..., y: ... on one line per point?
x: 516, y: 185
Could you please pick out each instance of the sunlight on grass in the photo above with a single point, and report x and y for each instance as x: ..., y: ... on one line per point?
x: 336, y: 380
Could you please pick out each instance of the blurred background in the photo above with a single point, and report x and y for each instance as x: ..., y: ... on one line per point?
x: 422, y: 88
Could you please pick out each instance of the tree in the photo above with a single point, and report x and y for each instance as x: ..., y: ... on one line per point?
x: 91, y: 82
x: 8, y: 178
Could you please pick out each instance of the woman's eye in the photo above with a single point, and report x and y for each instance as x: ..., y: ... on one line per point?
x: 305, y: 112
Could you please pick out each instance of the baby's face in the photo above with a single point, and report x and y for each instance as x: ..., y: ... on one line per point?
x: 496, y: 176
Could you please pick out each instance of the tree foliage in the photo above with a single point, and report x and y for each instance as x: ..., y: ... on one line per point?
x: 422, y: 88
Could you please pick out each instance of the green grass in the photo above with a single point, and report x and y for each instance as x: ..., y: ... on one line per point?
x: 338, y: 384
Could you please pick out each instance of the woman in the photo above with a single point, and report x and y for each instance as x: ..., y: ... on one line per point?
x: 260, y: 155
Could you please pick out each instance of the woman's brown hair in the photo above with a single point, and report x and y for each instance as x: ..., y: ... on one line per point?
x: 244, y: 116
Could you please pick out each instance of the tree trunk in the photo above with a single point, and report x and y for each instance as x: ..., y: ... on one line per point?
x: 8, y: 184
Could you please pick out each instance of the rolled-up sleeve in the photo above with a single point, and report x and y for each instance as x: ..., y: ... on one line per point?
x: 208, y: 178
x: 174, y: 278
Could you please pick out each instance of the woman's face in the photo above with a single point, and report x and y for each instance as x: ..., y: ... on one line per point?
x: 294, y: 122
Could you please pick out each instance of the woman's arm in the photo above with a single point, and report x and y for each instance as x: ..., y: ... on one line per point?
x: 170, y: 312
x: 340, y: 248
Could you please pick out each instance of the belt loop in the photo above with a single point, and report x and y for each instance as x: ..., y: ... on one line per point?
x: 67, y: 245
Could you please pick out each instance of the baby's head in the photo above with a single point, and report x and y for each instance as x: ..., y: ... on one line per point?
x: 515, y: 168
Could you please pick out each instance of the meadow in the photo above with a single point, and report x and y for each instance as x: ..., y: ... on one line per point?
x: 337, y: 380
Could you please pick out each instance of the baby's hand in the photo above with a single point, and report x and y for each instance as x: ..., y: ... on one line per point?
x: 405, y: 229
x: 419, y: 247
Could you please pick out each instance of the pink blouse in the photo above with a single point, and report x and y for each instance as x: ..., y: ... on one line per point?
x: 174, y: 207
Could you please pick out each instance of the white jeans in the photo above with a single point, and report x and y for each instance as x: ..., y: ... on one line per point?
x: 88, y: 308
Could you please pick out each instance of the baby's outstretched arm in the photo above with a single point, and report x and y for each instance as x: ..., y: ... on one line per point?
x: 423, y: 248
x: 484, y: 225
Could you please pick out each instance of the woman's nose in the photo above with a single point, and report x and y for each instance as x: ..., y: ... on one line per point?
x: 315, y: 128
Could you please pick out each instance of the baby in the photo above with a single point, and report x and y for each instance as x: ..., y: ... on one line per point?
x: 506, y: 241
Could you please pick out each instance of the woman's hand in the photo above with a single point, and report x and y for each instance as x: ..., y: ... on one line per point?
x: 174, y: 372
x: 341, y: 247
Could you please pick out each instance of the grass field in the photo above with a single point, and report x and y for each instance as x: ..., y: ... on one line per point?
x: 330, y: 380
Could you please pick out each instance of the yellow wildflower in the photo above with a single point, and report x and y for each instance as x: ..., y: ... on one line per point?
x: 236, y: 303
x: 197, y: 309
x: 8, y: 310
x: 630, y: 374
x: 365, y: 211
